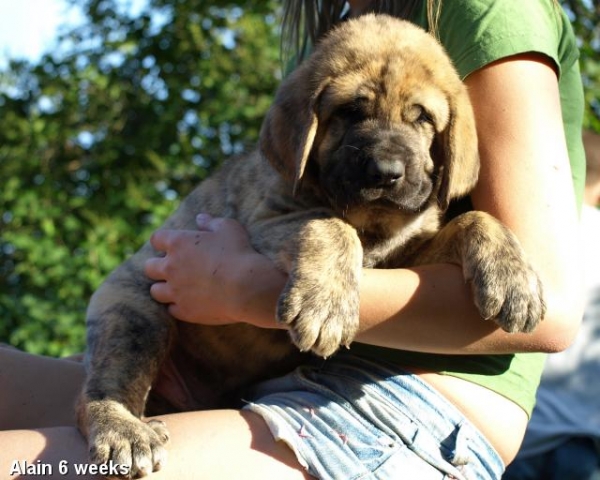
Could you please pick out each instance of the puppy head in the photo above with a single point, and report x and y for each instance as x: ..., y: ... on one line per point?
x: 376, y: 117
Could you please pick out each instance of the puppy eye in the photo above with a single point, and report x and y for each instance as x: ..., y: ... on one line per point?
x: 354, y: 111
x: 424, y: 116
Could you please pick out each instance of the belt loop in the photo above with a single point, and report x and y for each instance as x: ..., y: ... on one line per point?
x: 461, y: 454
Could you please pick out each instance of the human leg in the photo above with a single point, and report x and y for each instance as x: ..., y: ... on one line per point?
x: 37, y: 391
x: 37, y: 428
x: 219, y: 444
x: 226, y: 444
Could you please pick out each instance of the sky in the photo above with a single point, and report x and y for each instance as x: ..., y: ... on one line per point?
x: 29, y: 27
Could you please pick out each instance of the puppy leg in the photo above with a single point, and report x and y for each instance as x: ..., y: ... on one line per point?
x: 323, y: 257
x: 128, y: 339
x: 505, y: 286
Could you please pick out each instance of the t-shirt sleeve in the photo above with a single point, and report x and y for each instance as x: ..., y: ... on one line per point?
x: 478, y: 32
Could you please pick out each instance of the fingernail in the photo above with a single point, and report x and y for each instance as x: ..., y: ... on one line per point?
x: 203, y: 218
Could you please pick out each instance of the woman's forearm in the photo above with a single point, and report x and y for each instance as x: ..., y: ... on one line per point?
x: 431, y: 309
x: 428, y: 308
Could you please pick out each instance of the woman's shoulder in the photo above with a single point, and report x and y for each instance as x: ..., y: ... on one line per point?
x: 478, y: 32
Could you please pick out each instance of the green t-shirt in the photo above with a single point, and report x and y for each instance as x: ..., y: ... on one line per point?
x: 476, y: 33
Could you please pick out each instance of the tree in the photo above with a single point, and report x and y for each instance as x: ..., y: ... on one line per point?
x: 99, y: 139
x: 585, y: 15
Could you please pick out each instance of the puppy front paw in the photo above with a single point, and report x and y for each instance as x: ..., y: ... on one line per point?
x: 322, y: 314
x: 506, y: 288
x: 116, y: 437
x: 516, y: 305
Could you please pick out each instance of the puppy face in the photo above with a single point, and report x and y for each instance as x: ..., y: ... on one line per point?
x: 374, y: 139
x: 377, y: 119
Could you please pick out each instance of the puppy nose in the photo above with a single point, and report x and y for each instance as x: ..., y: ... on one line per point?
x: 384, y: 174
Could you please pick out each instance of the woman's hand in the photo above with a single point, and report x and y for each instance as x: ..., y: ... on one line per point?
x: 213, y: 275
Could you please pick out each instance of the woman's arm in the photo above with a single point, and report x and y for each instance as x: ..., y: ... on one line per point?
x: 525, y: 182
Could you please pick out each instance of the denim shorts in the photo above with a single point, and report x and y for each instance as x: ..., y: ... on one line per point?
x: 351, y: 418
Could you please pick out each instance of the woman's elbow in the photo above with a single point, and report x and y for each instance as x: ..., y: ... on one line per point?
x: 560, y: 325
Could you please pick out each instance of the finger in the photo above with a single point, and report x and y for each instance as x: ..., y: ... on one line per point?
x: 154, y: 268
x: 221, y: 225
x: 176, y: 312
x: 161, y: 292
x: 207, y: 222
x: 203, y: 221
x: 160, y: 240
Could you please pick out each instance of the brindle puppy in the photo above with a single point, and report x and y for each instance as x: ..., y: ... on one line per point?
x: 365, y: 146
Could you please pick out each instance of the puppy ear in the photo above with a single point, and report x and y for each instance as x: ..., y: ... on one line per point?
x: 288, y: 132
x: 457, y: 146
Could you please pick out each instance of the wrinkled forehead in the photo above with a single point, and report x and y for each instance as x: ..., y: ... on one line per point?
x: 389, y: 85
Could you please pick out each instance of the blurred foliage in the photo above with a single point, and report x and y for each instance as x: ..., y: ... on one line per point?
x: 101, y: 137
x: 585, y: 16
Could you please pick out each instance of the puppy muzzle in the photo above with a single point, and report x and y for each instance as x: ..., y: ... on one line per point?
x: 382, y: 171
x: 383, y: 174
